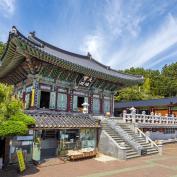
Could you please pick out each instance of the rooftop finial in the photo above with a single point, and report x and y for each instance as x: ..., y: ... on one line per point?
x: 32, y: 34
x: 89, y: 55
x: 14, y: 30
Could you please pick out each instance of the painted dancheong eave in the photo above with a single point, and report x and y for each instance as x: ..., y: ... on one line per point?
x: 19, y: 48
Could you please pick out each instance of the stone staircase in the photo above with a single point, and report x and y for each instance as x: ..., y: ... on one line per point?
x: 138, y: 139
x: 130, y: 151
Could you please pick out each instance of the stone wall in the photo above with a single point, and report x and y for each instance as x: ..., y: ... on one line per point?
x: 109, y: 147
x: 161, y: 135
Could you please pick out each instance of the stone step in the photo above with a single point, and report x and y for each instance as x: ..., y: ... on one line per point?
x: 132, y: 156
x: 131, y: 153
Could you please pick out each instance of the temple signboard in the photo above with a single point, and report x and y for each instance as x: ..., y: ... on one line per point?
x: 86, y: 81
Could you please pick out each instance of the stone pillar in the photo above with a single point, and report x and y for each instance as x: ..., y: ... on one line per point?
x: 160, y: 145
x: 124, y: 115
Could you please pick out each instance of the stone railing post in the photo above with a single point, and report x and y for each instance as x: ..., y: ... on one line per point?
x: 144, y: 116
x: 152, y: 118
x: 166, y: 117
x: 173, y: 119
x: 124, y: 115
x: 133, y: 113
x: 160, y: 145
x: 160, y: 119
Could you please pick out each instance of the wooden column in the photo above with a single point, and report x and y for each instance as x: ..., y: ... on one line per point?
x: 169, y: 110
x: 90, y: 102
x: 112, y: 105
x: 68, y: 101
x: 101, y: 104
x: 24, y: 94
x: 6, y: 151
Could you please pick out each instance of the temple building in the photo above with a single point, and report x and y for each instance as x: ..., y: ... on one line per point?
x: 54, y: 86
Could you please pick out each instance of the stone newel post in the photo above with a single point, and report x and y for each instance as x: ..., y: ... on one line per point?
x: 133, y: 113
x: 124, y: 115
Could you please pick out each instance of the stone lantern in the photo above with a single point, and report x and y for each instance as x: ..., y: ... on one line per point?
x: 133, y: 110
x: 85, y: 107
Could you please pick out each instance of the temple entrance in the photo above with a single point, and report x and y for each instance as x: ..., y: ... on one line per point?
x: 45, y: 99
x: 80, y: 102
x: 49, y: 144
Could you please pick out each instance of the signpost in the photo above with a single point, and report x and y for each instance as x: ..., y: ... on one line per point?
x: 21, y: 161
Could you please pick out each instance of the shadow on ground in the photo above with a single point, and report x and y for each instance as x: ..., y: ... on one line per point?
x: 13, y: 171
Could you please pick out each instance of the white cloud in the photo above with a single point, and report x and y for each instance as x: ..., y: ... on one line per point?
x: 123, y: 42
x: 94, y: 44
x: 7, y: 7
x: 140, y: 53
x: 121, y: 18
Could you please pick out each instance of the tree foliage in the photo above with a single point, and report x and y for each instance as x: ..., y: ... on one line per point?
x: 13, y: 121
x: 157, y: 84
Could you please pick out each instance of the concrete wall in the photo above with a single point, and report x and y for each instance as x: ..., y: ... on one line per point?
x: 109, y: 147
x: 161, y: 135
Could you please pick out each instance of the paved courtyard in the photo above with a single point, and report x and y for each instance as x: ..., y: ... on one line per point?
x: 149, y: 166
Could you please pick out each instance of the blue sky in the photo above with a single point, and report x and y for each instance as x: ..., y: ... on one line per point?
x: 118, y: 33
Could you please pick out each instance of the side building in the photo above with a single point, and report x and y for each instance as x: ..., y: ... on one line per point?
x: 53, y: 85
x: 163, y: 106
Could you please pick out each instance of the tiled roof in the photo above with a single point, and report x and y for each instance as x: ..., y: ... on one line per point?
x: 84, y: 64
x: 81, y: 60
x: 146, y: 103
x: 52, y: 119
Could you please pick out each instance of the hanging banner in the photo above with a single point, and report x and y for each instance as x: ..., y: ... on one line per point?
x: 32, y: 97
x: 21, y: 161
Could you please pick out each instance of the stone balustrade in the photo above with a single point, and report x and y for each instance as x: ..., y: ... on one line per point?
x: 148, y: 119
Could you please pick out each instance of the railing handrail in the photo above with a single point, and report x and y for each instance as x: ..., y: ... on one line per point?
x: 149, y: 139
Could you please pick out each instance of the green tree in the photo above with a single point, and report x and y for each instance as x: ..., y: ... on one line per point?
x: 13, y: 121
x: 147, y: 90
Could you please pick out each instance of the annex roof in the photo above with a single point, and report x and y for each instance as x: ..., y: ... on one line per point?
x: 18, y: 43
x: 56, y: 120
x: 146, y: 103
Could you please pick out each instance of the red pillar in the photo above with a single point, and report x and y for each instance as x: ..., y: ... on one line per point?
x: 169, y: 110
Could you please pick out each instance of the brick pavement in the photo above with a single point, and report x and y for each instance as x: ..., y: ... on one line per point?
x: 148, y: 166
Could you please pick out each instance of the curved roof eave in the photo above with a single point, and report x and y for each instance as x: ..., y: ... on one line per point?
x: 75, y: 58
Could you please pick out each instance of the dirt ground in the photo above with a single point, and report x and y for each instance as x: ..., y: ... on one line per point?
x: 149, y: 166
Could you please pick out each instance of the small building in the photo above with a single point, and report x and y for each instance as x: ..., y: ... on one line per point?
x: 53, y: 85
x: 164, y: 106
